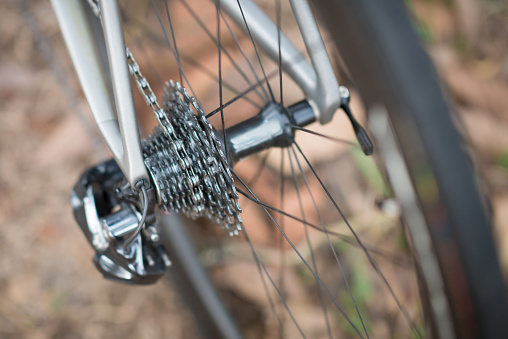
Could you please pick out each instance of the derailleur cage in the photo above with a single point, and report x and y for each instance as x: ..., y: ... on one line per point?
x: 109, y: 218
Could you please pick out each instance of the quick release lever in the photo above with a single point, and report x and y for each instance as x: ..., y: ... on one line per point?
x: 361, y: 134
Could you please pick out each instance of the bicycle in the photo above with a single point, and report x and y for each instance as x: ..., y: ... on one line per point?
x: 114, y: 204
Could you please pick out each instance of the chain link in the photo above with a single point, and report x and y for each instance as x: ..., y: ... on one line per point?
x: 188, y: 167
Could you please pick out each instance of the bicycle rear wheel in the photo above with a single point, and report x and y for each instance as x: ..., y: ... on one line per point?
x: 391, y: 71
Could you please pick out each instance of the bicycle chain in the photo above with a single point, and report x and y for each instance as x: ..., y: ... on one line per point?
x: 184, y: 157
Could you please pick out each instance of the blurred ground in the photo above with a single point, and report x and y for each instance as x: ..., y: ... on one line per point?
x: 48, y: 285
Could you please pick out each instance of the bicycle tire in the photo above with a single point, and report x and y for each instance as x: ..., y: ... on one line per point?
x: 401, y: 78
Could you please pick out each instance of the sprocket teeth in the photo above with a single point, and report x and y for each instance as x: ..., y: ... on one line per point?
x: 185, y: 159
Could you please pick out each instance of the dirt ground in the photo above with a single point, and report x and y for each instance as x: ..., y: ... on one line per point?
x: 49, y: 287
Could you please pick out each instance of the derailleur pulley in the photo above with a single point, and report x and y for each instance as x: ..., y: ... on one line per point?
x: 109, y: 215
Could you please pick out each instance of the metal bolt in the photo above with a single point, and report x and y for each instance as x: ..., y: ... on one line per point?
x: 166, y: 260
x: 344, y: 93
x: 150, y: 260
x: 152, y: 234
x: 76, y: 202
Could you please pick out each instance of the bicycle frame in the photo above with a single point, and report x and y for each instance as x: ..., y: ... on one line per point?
x: 112, y: 103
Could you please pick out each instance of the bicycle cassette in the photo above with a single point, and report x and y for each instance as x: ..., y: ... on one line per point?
x: 110, y: 220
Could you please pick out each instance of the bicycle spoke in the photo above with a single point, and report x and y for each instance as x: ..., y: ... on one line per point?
x: 186, y: 59
x: 282, y: 255
x: 311, y: 250
x: 173, y: 51
x: 150, y: 63
x: 248, y: 90
x: 243, y: 53
x: 258, y: 84
x: 262, y: 272
x: 339, y: 140
x: 260, y: 89
x: 336, y: 257
x: 219, y: 51
x: 261, y: 167
x: 260, y: 263
x: 212, y: 76
x: 256, y: 49
x: 334, y: 301
x: 369, y: 257
x: 279, y: 21
x: 177, y: 55
x: 345, y: 238
x: 214, y: 40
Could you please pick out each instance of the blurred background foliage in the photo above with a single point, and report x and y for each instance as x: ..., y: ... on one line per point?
x: 48, y: 285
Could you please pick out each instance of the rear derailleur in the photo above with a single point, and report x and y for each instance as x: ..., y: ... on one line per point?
x: 119, y: 222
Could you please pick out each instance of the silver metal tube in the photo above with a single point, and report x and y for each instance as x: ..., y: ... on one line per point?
x: 132, y: 163
x: 317, y: 81
x: 122, y: 136
x: 123, y: 139
x: 264, y: 33
x: 327, y: 96
x: 80, y: 42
